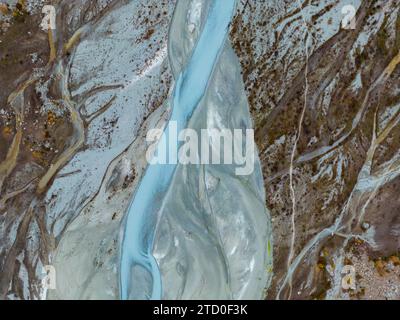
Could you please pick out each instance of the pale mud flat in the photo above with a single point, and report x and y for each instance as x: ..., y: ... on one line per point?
x: 76, y: 106
x: 213, y: 239
x: 135, y: 76
x: 91, y: 90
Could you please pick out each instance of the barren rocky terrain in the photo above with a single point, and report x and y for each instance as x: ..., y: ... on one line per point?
x: 326, y: 106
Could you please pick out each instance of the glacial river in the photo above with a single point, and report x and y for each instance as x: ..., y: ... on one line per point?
x: 137, y: 262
